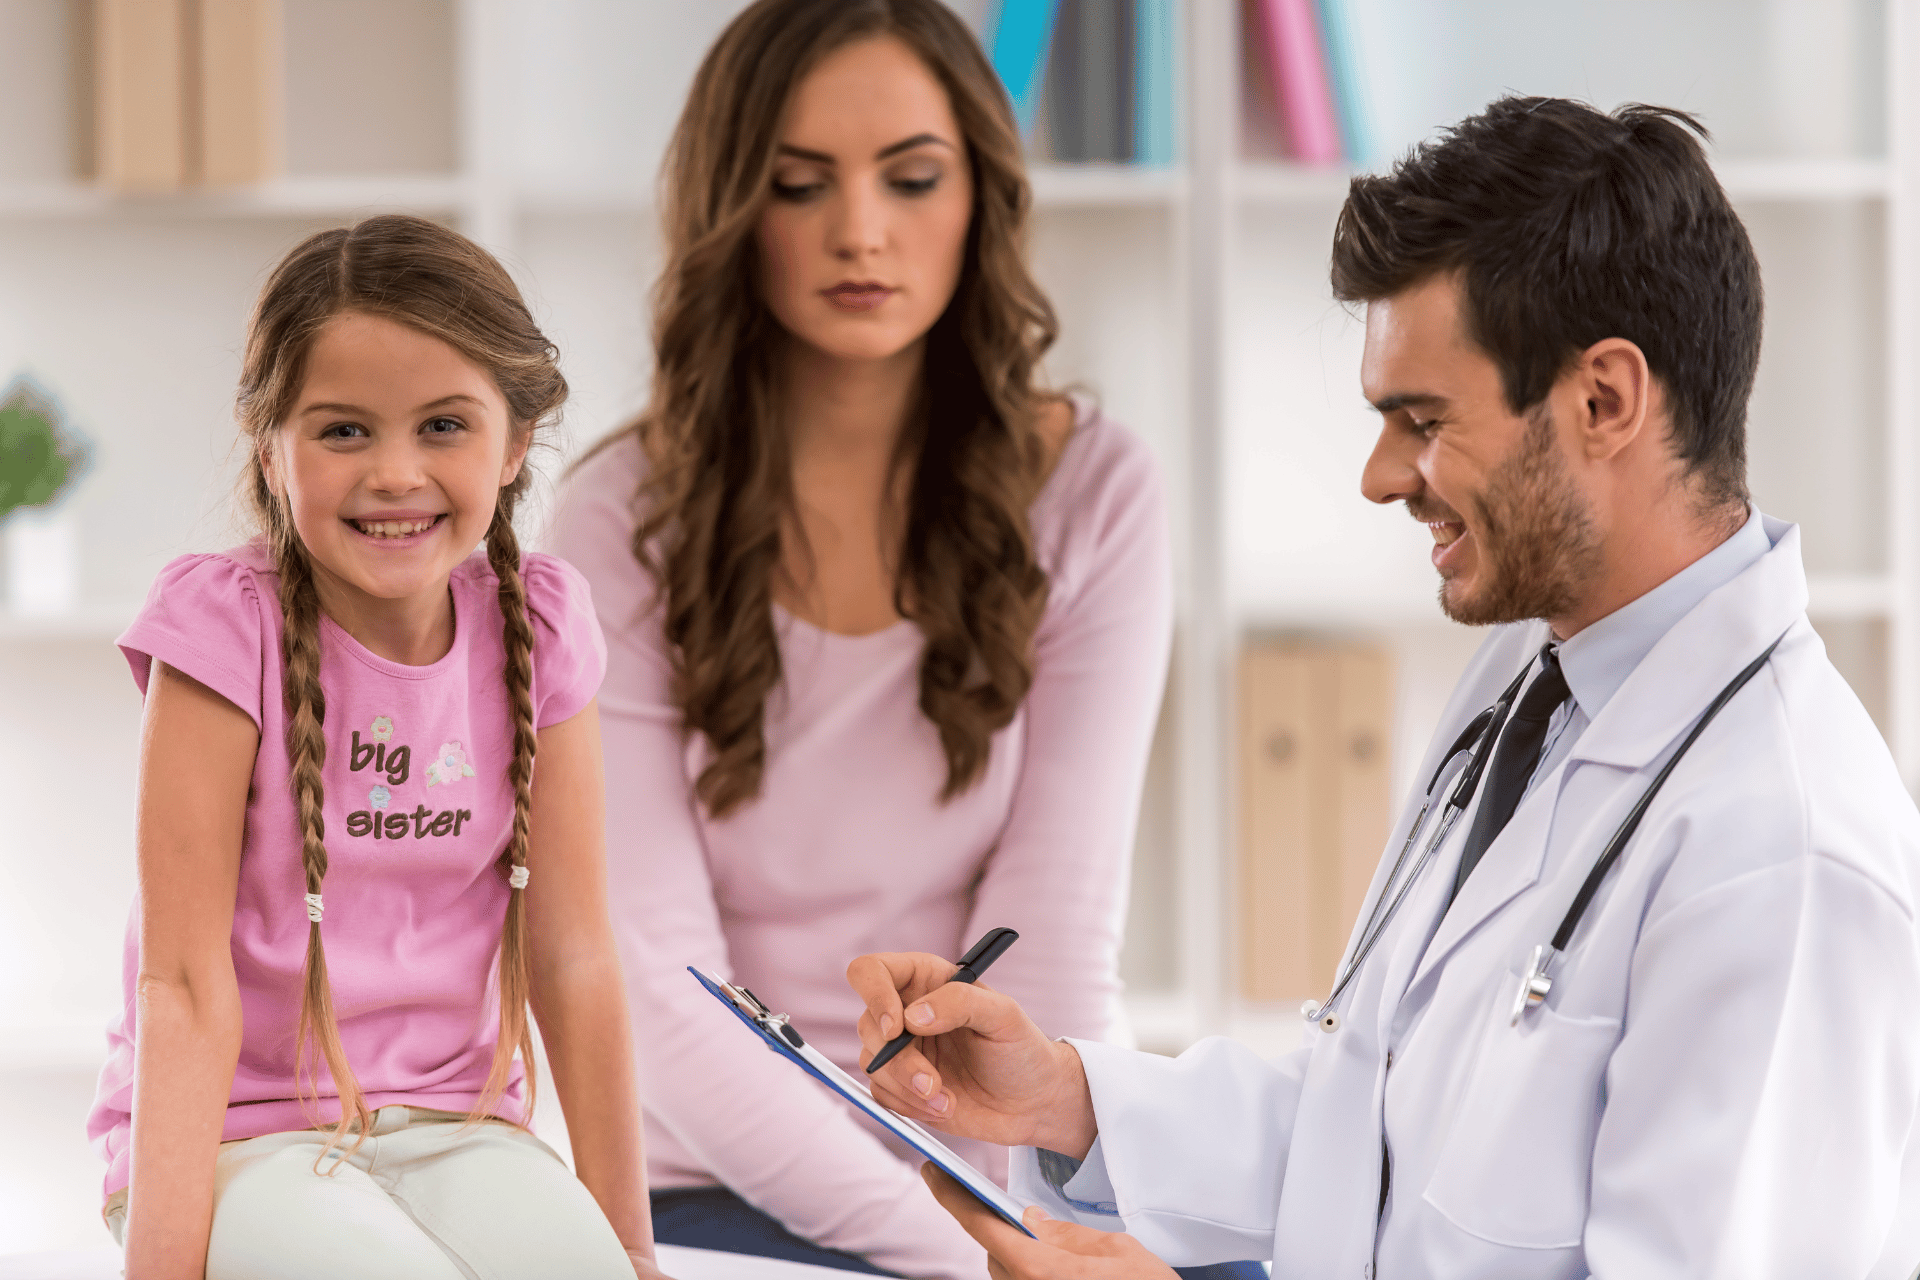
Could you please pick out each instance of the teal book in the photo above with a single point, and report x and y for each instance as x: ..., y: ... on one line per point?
x: 1022, y: 32
x: 1349, y: 94
x: 1154, y: 123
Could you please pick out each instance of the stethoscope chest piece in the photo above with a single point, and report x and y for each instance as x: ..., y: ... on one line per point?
x: 1534, y: 983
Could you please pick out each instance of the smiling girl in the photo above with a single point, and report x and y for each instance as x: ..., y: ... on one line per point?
x: 352, y: 878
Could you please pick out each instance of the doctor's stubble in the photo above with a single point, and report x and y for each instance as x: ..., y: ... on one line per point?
x: 1538, y: 542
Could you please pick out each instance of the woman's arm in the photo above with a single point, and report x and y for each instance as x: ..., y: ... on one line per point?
x: 1059, y: 871
x: 196, y: 762
x: 578, y: 997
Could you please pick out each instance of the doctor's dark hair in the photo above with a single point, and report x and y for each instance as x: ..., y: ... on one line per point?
x: 421, y: 275
x: 1568, y: 225
x: 719, y: 482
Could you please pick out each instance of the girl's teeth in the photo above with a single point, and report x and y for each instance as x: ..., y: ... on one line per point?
x: 394, y: 528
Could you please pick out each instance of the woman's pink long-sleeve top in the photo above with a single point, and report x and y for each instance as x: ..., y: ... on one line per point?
x: 849, y: 850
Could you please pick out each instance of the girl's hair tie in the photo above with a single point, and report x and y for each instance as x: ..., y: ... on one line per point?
x: 313, y: 907
x: 518, y: 879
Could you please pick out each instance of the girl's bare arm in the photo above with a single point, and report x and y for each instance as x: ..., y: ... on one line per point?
x: 196, y: 762
x: 578, y: 997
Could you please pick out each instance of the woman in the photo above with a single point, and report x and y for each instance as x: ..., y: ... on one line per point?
x: 887, y: 624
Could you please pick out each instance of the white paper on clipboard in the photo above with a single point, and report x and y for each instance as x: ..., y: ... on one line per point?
x: 780, y: 1036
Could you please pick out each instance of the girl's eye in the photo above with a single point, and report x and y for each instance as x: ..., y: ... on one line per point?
x: 343, y: 431
x: 442, y: 426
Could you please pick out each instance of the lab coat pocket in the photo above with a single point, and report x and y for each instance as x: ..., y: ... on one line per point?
x: 1518, y: 1159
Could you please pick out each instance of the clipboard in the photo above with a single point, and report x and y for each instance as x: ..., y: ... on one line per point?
x: 779, y: 1035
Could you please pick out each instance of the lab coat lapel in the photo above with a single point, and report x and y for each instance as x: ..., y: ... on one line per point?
x: 1689, y: 665
x: 1510, y: 865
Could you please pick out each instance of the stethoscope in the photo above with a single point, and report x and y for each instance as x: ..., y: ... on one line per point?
x: 1481, y: 733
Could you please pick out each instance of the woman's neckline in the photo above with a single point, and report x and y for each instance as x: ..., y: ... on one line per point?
x: 1083, y: 417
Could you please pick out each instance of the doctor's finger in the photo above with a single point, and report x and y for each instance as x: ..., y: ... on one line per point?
x: 888, y: 980
x: 1019, y: 1255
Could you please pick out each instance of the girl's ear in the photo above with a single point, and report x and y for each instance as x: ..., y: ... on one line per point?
x: 268, y: 464
x: 516, y: 457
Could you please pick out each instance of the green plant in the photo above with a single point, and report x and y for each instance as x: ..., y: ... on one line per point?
x: 38, y: 461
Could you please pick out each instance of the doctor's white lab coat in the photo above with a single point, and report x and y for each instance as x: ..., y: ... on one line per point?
x: 1723, y: 1081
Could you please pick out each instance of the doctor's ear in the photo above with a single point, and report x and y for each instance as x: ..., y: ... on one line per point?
x: 1617, y: 395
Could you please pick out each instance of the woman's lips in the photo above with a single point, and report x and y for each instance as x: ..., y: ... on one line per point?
x: 863, y: 296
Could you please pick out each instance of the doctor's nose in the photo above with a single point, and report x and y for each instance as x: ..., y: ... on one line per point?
x: 1392, y: 473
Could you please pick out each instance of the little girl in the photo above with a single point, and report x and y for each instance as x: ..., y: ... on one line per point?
x: 341, y: 824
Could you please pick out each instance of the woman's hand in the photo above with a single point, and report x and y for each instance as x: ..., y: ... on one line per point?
x: 1057, y: 1251
x: 980, y: 1067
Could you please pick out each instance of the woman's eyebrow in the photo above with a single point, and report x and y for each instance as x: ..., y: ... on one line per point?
x: 905, y: 144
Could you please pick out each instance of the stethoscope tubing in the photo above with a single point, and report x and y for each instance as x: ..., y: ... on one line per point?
x: 1462, y: 795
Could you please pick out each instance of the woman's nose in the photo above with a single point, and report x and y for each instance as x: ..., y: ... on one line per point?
x: 861, y: 225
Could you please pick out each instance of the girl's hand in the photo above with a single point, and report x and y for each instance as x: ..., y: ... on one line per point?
x: 644, y: 1267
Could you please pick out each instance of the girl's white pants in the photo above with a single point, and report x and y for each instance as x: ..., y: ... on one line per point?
x: 425, y: 1198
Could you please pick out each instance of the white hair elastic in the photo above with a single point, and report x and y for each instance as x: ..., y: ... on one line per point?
x: 519, y: 878
x: 313, y: 907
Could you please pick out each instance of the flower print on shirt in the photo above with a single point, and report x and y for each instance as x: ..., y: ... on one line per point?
x: 379, y: 797
x: 383, y: 728
x: 449, y: 764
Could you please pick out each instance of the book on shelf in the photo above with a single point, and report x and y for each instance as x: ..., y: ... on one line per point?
x: 184, y: 93
x: 1305, y: 63
x: 1090, y: 80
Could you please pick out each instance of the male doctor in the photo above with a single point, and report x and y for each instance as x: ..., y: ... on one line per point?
x: 1716, y: 1074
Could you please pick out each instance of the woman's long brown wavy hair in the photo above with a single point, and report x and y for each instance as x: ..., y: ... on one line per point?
x: 718, y: 485
x: 421, y: 275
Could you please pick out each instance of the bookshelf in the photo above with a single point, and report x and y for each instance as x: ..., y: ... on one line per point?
x: 1193, y: 301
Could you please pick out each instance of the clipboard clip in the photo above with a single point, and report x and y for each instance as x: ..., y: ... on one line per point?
x: 752, y: 1006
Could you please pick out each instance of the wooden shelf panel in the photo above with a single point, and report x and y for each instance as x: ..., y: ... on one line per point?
x: 288, y: 197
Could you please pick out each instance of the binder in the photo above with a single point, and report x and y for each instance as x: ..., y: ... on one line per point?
x: 239, y: 100
x: 780, y: 1035
x: 139, y: 81
x: 1315, y: 804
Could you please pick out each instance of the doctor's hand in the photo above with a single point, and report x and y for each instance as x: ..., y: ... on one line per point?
x: 980, y: 1068
x: 1062, y: 1251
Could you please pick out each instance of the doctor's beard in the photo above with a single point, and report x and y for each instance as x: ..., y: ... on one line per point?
x: 1538, y: 546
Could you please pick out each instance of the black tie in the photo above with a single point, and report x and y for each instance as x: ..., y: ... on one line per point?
x: 1513, y: 762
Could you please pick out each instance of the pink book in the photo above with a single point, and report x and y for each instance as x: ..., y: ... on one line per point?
x: 1299, y: 65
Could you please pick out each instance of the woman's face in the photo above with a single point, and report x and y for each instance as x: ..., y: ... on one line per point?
x: 865, y: 232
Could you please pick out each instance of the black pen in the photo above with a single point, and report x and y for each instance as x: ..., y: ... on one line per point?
x: 972, y: 965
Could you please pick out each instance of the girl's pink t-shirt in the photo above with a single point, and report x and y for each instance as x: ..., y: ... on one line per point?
x: 418, y: 808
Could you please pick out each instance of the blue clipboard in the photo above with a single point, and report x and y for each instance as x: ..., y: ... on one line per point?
x: 780, y: 1036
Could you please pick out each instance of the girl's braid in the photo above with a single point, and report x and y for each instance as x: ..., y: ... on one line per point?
x: 306, y: 711
x: 503, y: 553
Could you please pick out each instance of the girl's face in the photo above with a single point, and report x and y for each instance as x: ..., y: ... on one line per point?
x: 391, y: 459
x: 864, y: 236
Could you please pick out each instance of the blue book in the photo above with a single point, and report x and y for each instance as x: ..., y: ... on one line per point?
x: 1153, y: 97
x: 1343, y: 69
x: 1022, y: 32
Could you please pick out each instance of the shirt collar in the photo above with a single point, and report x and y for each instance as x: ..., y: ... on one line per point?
x: 1599, y: 659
